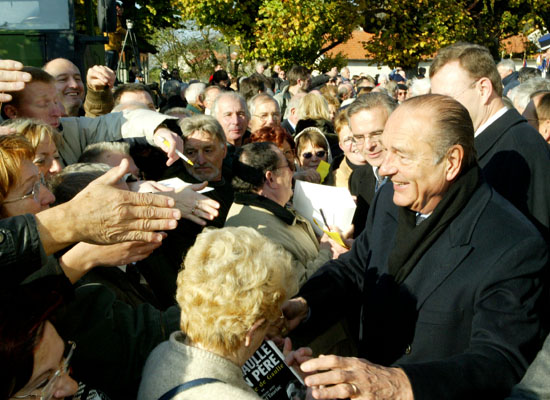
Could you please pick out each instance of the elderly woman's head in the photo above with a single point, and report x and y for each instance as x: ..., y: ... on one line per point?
x: 22, y: 186
x: 312, y: 148
x: 44, y: 140
x: 233, y: 283
x: 279, y: 136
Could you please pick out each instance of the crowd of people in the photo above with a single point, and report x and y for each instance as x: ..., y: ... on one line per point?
x: 149, y: 244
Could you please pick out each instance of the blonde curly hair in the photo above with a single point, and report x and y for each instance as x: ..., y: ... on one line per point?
x: 231, y: 278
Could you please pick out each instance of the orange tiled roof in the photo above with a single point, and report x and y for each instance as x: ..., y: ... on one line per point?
x: 353, y: 49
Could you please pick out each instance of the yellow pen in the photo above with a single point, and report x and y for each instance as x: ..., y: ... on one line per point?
x: 179, y: 153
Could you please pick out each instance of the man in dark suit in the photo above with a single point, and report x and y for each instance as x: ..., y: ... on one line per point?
x: 512, y: 154
x: 446, y: 275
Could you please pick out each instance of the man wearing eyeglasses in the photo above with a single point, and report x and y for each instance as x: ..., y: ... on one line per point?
x: 367, y: 117
x: 264, y: 111
x: 511, y: 153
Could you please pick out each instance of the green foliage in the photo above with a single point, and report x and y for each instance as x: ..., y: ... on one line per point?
x: 409, y: 30
x: 286, y: 32
x: 326, y: 63
x: 197, y: 50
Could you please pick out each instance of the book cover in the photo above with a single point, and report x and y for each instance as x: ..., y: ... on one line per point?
x: 267, y: 373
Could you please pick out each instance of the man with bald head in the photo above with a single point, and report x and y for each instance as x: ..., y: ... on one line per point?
x: 69, y: 85
x: 434, y: 278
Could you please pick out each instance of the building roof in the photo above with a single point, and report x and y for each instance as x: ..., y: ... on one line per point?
x: 353, y: 48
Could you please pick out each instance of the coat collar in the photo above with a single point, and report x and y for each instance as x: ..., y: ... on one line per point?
x: 487, y: 139
x: 253, y: 199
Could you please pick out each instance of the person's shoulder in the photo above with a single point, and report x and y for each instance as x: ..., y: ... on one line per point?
x: 498, y: 221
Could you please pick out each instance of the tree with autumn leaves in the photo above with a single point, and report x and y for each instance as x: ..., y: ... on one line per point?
x: 290, y: 32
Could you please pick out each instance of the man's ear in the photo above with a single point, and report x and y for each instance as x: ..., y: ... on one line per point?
x: 453, y: 163
x: 10, y: 111
x: 544, y: 129
x: 485, y: 88
x: 269, y: 178
x: 253, y: 331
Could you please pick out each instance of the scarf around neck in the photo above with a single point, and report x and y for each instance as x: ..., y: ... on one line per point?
x: 412, y: 241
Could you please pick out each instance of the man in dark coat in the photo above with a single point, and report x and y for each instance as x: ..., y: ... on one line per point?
x: 512, y: 154
x: 438, y: 273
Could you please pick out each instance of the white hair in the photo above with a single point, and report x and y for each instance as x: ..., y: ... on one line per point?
x: 419, y: 87
x: 194, y: 91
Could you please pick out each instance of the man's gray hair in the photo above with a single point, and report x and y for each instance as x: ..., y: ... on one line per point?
x: 252, y: 161
x: 232, y: 95
x: 94, y: 152
x: 194, y: 91
x: 508, y: 64
x: 258, y: 99
x: 450, y: 125
x: 202, y: 123
x: 372, y: 100
x: 521, y: 95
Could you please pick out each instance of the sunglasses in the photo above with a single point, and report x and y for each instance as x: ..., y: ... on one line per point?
x: 319, y: 154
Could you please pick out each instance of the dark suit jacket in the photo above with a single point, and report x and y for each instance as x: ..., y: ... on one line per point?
x: 465, y: 323
x: 362, y: 183
x: 285, y: 124
x: 516, y: 161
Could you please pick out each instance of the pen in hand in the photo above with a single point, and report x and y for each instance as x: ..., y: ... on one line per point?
x: 179, y: 153
x: 324, y: 219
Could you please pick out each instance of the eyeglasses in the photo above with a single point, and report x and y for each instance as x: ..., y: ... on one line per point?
x: 265, y: 116
x: 360, y: 139
x: 309, y: 154
x: 35, y: 193
x: 46, y: 389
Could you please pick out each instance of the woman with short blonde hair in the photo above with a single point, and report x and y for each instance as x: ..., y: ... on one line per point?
x: 313, y: 106
x: 231, y: 288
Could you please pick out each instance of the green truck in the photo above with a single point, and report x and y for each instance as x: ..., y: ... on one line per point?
x: 36, y: 31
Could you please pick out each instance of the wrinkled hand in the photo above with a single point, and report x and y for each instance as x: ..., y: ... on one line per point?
x: 84, y: 256
x: 294, y: 310
x: 148, y: 187
x: 195, y: 206
x: 308, y: 175
x: 163, y: 135
x: 100, y: 77
x: 102, y: 214
x: 11, y: 78
x: 348, y: 377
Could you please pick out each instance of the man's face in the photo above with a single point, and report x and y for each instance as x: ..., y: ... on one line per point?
x: 39, y: 100
x: 349, y: 146
x: 305, y: 84
x: 141, y: 97
x: 266, y: 113
x: 231, y: 114
x: 453, y: 81
x: 68, y: 83
x: 283, y: 177
x: 207, y: 154
x: 409, y: 161
x: 367, y: 126
x: 401, y: 95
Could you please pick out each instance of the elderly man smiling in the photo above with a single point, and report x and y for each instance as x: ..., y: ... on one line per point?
x: 436, y: 276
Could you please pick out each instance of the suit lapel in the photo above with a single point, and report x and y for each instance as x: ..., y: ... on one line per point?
x: 450, y: 250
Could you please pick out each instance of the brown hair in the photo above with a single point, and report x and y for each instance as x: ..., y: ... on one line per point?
x: 476, y: 60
